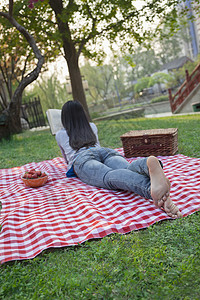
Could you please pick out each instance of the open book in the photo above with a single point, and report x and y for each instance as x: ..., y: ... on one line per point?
x: 54, y: 119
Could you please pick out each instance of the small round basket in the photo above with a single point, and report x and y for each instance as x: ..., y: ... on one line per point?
x: 35, y: 182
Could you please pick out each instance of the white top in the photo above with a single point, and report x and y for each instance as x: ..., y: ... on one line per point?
x: 68, y: 153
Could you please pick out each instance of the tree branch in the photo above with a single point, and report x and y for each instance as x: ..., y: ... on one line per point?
x: 25, y: 64
x: 5, y: 75
x: 11, y: 8
x: 3, y: 101
x: 91, y: 34
x: 63, y: 27
x: 35, y: 73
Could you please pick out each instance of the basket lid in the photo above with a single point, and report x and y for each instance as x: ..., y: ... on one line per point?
x: 150, y: 132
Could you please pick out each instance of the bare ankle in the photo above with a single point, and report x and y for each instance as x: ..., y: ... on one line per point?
x: 159, y: 185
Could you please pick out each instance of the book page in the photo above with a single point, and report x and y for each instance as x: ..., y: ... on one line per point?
x: 54, y: 119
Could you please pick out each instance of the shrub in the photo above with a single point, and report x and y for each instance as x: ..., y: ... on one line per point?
x: 160, y: 99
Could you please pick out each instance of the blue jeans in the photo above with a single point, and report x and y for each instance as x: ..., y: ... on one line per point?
x: 106, y: 168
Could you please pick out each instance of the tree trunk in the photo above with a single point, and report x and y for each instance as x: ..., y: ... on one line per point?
x: 71, y: 54
x: 76, y: 82
x: 14, y: 120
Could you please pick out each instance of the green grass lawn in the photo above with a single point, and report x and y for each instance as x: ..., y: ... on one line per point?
x: 160, y: 262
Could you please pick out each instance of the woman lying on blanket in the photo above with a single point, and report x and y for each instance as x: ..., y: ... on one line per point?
x: 105, y: 167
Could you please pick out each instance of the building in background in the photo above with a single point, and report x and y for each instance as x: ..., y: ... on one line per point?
x: 191, y: 45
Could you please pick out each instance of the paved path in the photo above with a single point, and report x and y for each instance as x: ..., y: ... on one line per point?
x: 169, y: 114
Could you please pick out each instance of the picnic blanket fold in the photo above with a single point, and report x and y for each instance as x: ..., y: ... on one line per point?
x: 68, y: 212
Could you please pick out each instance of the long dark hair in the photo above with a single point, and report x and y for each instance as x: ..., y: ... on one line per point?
x: 76, y: 124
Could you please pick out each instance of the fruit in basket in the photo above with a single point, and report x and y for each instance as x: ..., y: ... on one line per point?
x: 32, y: 174
x: 34, y: 178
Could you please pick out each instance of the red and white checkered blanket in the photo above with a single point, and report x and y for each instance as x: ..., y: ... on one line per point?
x: 67, y: 212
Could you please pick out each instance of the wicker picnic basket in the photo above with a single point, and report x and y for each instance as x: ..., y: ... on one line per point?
x: 150, y: 142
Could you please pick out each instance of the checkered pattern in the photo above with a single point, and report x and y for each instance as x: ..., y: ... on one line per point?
x: 67, y: 212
